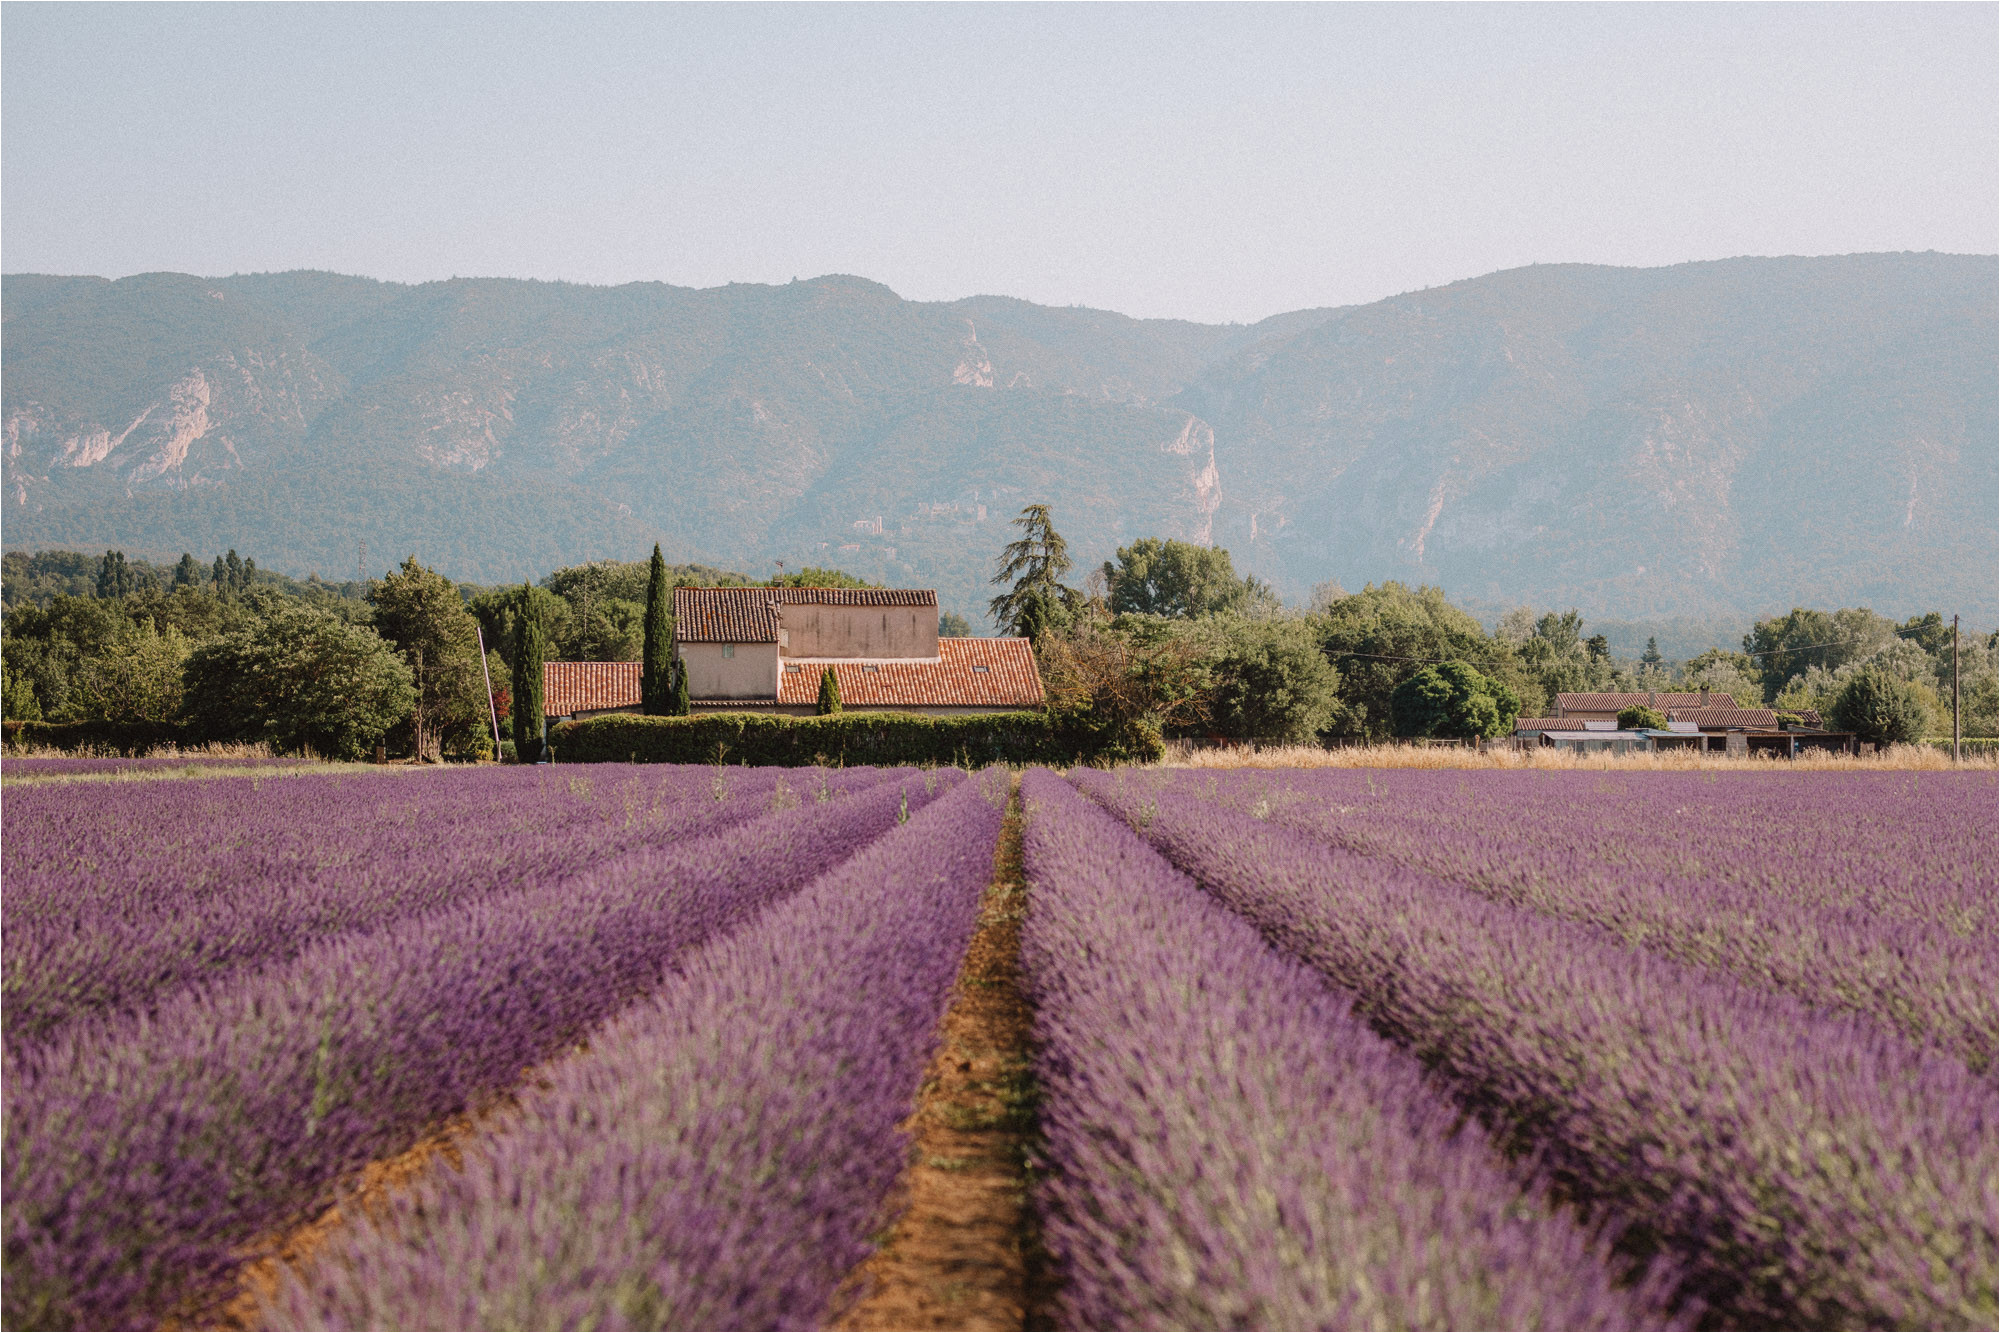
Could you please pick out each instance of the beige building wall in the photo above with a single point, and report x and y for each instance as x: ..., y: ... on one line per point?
x: 731, y: 670
x: 810, y: 630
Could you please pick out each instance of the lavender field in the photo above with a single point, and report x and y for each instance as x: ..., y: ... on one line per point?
x: 1334, y: 1048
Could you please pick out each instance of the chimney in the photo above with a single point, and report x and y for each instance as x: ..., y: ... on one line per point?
x: 1652, y: 699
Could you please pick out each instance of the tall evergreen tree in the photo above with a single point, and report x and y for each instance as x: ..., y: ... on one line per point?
x: 114, y: 579
x: 235, y: 571
x: 187, y: 574
x: 1034, y: 565
x: 829, y: 694
x: 529, y: 647
x: 221, y: 573
x: 681, y: 705
x: 656, y: 686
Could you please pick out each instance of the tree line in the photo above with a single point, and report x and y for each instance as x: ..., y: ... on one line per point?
x: 1167, y: 636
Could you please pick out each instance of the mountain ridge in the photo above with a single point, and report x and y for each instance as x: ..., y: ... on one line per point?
x: 1523, y: 436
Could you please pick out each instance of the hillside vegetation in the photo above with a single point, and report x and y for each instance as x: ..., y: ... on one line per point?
x: 1720, y: 439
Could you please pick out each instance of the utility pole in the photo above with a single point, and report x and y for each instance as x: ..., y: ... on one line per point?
x: 1954, y: 691
x: 492, y: 709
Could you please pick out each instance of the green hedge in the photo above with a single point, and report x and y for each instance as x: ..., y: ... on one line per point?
x: 760, y: 739
x: 124, y: 737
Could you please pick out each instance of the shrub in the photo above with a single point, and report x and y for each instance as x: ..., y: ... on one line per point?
x: 855, y: 738
x: 1875, y: 706
x: 1638, y: 716
x: 1453, y: 700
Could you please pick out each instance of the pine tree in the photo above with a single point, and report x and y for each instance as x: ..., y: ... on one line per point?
x: 113, y: 578
x: 235, y: 571
x: 681, y: 706
x: 1035, y: 565
x: 221, y: 573
x: 829, y: 694
x: 187, y: 574
x: 656, y: 688
x: 1651, y: 657
x: 529, y: 647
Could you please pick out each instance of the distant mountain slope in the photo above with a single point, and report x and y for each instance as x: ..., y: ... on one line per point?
x: 1707, y: 439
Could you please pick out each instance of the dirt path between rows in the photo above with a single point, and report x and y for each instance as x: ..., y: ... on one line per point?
x: 964, y: 1253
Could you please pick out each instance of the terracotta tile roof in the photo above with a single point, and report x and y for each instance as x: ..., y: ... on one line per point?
x: 955, y: 680
x: 1724, y: 717
x: 743, y: 615
x: 572, y: 687
x: 1611, y: 703
x: 1543, y: 724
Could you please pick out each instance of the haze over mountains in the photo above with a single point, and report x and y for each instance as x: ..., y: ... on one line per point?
x: 1711, y: 439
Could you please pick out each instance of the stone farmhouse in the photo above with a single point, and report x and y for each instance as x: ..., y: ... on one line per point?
x: 764, y: 649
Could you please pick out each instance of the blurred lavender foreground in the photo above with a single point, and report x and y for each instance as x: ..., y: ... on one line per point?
x: 1230, y: 1148
x: 721, y: 1154
x: 143, y: 1151
x: 115, y: 895
x: 1813, y: 1170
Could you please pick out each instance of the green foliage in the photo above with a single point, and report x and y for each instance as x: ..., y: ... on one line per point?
x: 829, y: 694
x: 139, y: 679
x: 1272, y: 682
x: 1789, y: 645
x: 683, y: 706
x: 1640, y: 718
x: 853, y: 738
x: 812, y: 576
x: 952, y: 625
x: 1182, y: 580
x: 656, y: 672
x: 1034, y: 564
x: 1876, y: 706
x: 419, y: 612
x: 529, y: 648
x: 300, y: 680
x: 1453, y: 700
x: 18, y: 702
x: 114, y: 578
x: 1384, y: 634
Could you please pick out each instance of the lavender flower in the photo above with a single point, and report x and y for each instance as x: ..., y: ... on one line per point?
x: 720, y: 1155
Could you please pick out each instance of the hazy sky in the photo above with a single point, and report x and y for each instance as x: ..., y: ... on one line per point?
x: 1217, y: 163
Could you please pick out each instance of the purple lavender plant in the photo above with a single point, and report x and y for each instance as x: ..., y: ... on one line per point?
x: 1228, y: 1147
x: 142, y: 1150
x: 116, y: 895
x: 720, y: 1155
x: 1812, y: 1170
x: 1875, y: 899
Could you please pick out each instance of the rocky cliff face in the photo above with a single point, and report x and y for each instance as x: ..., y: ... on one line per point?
x: 1713, y: 437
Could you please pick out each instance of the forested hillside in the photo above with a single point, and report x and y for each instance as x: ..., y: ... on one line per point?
x: 1706, y: 440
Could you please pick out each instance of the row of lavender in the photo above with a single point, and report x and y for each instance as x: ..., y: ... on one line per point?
x: 116, y: 898
x: 1877, y: 899
x: 145, y: 1147
x: 1231, y: 1147
x: 723, y: 1151
x: 1799, y: 1166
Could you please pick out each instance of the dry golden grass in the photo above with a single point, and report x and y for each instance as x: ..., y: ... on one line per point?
x: 1896, y: 758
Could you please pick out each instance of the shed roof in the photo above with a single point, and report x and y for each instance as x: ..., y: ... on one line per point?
x: 569, y: 688
x: 1612, y: 702
x: 1725, y: 717
x: 748, y: 615
x: 967, y: 673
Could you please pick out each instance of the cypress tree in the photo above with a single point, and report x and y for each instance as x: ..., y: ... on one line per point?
x: 656, y: 687
x: 187, y: 574
x: 829, y: 693
x: 528, y: 651
x: 221, y: 577
x: 680, y: 705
